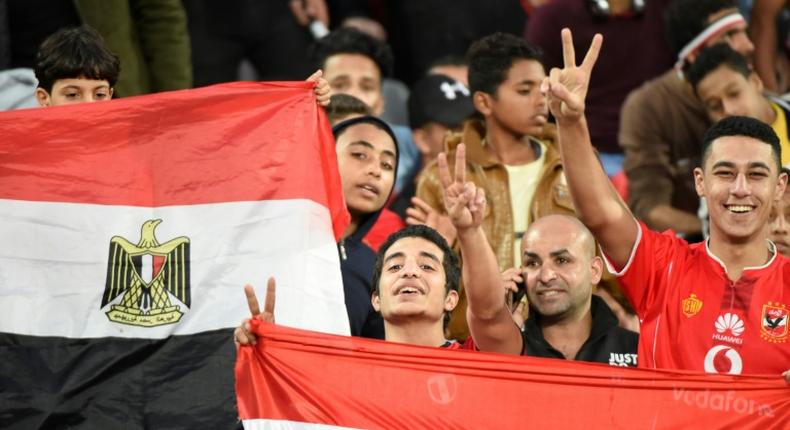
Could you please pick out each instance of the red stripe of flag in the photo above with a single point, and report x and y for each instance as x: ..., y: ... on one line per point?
x: 233, y: 142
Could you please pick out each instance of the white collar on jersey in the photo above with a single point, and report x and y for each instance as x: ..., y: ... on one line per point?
x: 771, y: 249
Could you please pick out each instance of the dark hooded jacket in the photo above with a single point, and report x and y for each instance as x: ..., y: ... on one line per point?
x: 358, y: 260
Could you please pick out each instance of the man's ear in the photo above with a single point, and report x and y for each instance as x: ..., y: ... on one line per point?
x: 43, y: 97
x: 451, y: 300
x: 375, y: 300
x: 781, y: 186
x: 699, y: 183
x: 596, y: 270
x: 482, y: 102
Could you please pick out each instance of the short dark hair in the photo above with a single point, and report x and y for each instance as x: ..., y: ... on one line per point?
x: 342, y: 105
x: 450, y: 264
x: 685, y: 19
x: 491, y: 57
x: 351, y: 41
x: 743, y: 126
x: 712, y: 58
x: 76, y: 52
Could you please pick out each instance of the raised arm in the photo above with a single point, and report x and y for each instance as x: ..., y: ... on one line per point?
x: 487, y: 314
x: 597, y: 204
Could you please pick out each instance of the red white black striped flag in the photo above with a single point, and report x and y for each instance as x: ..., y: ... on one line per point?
x: 128, y: 230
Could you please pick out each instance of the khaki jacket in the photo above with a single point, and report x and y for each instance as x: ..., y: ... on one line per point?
x: 551, y: 197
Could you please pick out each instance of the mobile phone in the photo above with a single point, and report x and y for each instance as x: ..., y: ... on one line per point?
x: 515, y: 297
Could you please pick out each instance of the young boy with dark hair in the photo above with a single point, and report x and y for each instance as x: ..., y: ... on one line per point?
x: 727, y: 86
x: 510, y: 151
x: 356, y: 64
x: 74, y: 66
x: 415, y: 287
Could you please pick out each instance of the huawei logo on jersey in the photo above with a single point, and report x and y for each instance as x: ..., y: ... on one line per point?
x: 729, y: 322
x: 729, y: 328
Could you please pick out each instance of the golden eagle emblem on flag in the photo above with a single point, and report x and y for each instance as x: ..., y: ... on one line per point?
x: 147, y: 275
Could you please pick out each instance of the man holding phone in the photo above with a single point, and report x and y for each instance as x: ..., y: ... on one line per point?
x: 566, y: 320
x: 559, y: 270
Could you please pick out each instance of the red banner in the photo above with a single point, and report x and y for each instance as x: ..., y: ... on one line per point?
x: 304, y: 378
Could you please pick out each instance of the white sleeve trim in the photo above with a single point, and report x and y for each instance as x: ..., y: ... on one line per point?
x: 609, y: 265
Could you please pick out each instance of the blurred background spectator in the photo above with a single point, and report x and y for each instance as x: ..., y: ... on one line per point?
x: 635, y: 51
x: 273, y: 36
x: 150, y: 37
x: 422, y: 31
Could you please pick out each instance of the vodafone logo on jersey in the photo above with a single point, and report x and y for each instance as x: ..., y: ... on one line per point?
x: 723, y: 359
x: 729, y: 328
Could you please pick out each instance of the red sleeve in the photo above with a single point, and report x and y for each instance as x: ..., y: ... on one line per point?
x: 645, y: 277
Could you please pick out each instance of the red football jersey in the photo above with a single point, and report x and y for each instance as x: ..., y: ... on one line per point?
x: 695, y: 318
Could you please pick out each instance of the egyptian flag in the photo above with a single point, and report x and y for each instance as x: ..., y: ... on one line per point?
x: 127, y: 231
x: 296, y: 379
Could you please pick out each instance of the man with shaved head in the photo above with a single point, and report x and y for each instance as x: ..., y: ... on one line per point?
x: 559, y: 268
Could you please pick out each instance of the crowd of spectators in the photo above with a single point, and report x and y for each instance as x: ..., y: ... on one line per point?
x: 494, y: 88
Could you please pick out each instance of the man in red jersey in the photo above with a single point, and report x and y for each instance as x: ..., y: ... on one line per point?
x: 416, y: 281
x: 720, y: 306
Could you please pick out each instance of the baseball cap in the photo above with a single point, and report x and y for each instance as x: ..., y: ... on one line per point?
x: 439, y: 98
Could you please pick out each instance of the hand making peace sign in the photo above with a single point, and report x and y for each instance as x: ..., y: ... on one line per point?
x: 566, y: 88
x: 243, y: 334
x: 464, y: 202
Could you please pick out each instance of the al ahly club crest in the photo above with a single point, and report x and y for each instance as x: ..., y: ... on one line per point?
x: 773, y: 324
x: 147, y: 275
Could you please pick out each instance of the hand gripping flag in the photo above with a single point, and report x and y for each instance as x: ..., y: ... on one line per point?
x: 128, y: 230
x: 295, y: 379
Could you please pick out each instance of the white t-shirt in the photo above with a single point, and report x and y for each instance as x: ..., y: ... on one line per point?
x: 523, y: 179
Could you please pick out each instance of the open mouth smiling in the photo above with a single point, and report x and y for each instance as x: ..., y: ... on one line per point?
x: 739, y: 209
x: 409, y: 290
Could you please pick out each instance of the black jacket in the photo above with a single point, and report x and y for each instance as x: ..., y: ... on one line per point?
x: 357, y: 262
x: 608, y: 342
